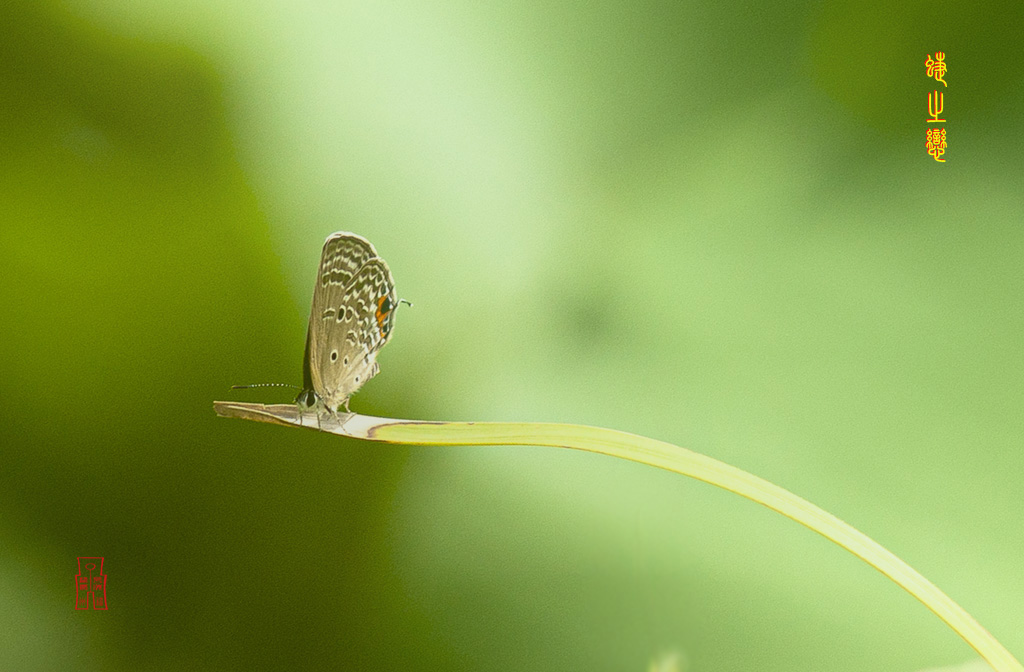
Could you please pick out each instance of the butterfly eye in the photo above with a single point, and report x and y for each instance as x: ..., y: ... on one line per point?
x: 334, y: 355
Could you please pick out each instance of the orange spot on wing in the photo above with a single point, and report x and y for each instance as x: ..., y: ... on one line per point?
x: 382, y: 315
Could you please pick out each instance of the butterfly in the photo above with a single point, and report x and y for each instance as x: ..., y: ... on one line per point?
x: 352, y: 318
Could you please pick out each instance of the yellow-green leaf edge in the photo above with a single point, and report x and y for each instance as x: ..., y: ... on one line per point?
x: 656, y: 454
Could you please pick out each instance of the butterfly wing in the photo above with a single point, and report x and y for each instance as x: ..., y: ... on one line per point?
x: 342, y: 256
x: 349, y: 325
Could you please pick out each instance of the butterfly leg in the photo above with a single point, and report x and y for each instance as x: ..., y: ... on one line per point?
x: 321, y: 409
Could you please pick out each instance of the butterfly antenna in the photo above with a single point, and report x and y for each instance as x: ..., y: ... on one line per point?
x: 245, y: 387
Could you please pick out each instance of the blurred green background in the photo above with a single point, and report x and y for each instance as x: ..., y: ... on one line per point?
x: 709, y: 223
